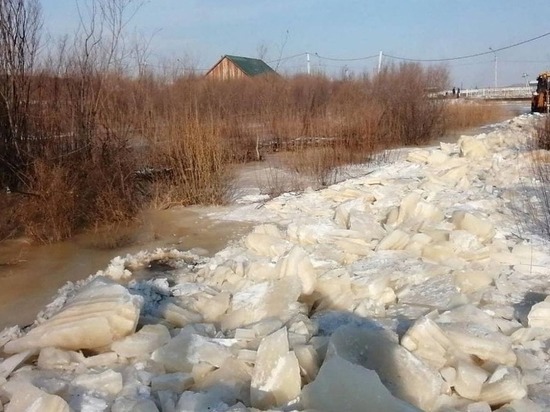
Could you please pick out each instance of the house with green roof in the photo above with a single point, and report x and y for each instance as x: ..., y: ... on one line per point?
x: 237, y: 67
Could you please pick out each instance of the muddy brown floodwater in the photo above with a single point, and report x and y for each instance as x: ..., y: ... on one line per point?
x: 30, y: 275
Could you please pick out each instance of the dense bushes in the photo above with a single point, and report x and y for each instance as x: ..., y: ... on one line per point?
x: 107, y: 145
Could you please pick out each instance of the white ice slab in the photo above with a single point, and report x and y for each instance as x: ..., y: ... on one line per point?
x: 99, y: 314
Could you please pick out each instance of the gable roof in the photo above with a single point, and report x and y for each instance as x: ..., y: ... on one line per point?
x: 249, y: 66
x: 252, y: 67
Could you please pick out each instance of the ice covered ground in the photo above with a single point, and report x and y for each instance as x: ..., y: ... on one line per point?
x: 412, y: 287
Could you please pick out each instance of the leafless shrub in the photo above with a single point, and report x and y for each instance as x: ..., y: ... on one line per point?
x: 49, y: 212
x: 533, y: 205
x: 194, y: 158
x: 543, y: 136
x: 20, y: 22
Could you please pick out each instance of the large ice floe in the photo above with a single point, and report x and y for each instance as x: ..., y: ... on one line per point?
x: 412, y: 287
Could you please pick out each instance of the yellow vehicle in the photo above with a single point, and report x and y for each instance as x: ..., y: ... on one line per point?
x: 541, y: 98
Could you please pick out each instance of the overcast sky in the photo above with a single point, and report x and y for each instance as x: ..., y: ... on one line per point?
x: 204, y: 30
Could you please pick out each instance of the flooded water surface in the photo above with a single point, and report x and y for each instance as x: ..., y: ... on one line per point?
x: 30, y: 275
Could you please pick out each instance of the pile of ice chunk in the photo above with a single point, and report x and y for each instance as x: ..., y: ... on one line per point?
x: 407, y: 289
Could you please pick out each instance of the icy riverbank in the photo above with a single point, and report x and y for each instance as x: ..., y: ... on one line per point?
x: 408, y: 288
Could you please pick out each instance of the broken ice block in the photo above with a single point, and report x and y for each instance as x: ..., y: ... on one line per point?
x: 200, y: 402
x: 476, y: 340
x: 418, y: 156
x: 470, y: 281
x: 302, y: 325
x: 438, y: 157
x: 503, y: 386
x: 99, y: 314
x: 200, y: 370
x: 342, y: 386
x: 272, y: 299
x: 103, y: 359
x: 175, y: 382
x: 469, y: 378
x: 178, y: 315
x: 334, y: 293
x: 472, y: 147
x: 107, y: 383
x: 468, y: 313
x: 405, y: 375
x: 231, y: 382
x: 437, y: 292
x: 266, y: 245
x: 539, y: 315
x: 276, y: 375
x: 442, y: 253
x: 427, y: 341
x: 308, y: 361
x: 407, y: 207
x: 297, y: 264
x: 396, y: 240
x: 417, y: 242
x: 134, y: 405
x: 266, y: 327
x: 521, y: 405
x: 188, y: 349
x: 478, y: 407
x: 25, y: 397
x: 212, y: 307
x: 10, y: 364
x: 143, y: 342
x: 366, y: 224
x: 52, y: 358
x: 483, y: 229
x: 352, y: 246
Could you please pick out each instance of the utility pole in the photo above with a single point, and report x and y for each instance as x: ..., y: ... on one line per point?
x: 308, y: 64
x: 379, y: 61
x: 496, y: 67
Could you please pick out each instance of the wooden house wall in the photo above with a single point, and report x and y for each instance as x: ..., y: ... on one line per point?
x: 226, y: 69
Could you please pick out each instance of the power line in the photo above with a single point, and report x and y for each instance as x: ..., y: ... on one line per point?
x: 469, y: 56
x: 346, y: 60
x: 287, y: 58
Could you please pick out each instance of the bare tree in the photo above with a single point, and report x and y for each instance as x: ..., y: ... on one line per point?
x: 20, y: 26
x: 99, y: 50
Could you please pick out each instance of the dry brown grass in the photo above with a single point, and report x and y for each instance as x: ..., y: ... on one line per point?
x: 466, y: 114
x: 111, y: 145
x: 194, y: 158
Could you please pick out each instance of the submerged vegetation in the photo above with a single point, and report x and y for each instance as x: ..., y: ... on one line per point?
x: 89, y: 135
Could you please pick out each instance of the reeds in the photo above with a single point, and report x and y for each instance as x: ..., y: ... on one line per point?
x: 463, y: 114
